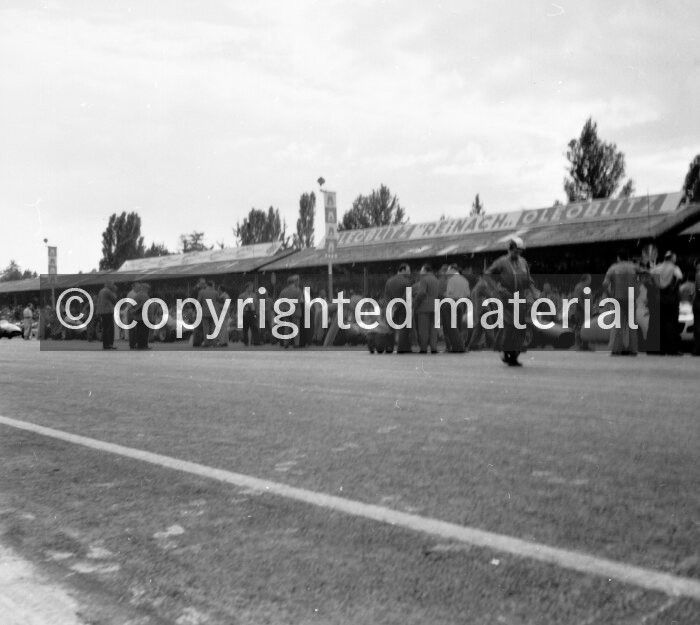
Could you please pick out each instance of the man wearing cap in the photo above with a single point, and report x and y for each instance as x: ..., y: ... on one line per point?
x: 508, y: 275
x: 669, y: 277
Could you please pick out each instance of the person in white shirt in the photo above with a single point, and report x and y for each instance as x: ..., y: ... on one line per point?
x: 28, y: 316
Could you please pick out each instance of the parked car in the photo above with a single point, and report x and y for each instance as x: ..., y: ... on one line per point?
x: 168, y: 333
x: 9, y: 330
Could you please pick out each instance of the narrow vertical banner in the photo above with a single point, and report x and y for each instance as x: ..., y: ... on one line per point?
x: 331, y: 212
x: 53, y: 271
x: 53, y: 263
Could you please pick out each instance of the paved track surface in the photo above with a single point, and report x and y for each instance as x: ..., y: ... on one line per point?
x: 578, y: 451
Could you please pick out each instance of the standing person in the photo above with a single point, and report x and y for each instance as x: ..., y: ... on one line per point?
x: 653, y: 294
x: 669, y: 277
x: 395, y: 288
x: 129, y: 312
x: 306, y: 330
x: 220, y: 303
x: 480, y: 293
x: 508, y: 275
x: 425, y: 294
x: 250, y: 316
x: 457, y: 288
x: 579, y: 311
x: 444, y: 310
x: 197, y: 334
x: 265, y: 307
x: 317, y: 313
x: 141, y: 329
x: 106, y: 299
x: 207, y: 297
x: 620, y: 278
x: 293, y: 293
x: 27, y: 320
x: 696, y: 313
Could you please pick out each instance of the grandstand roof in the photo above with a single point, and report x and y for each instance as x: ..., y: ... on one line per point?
x: 573, y: 224
x: 20, y: 286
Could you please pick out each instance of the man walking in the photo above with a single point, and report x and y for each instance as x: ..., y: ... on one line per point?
x: 106, y: 299
x: 508, y: 275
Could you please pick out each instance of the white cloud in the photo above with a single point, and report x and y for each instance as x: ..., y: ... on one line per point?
x: 195, y: 113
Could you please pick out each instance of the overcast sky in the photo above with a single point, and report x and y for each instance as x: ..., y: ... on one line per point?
x: 191, y: 113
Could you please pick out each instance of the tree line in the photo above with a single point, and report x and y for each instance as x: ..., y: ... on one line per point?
x: 595, y: 170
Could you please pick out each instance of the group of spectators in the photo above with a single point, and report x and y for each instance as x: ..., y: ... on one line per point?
x: 665, y: 289
x: 662, y: 285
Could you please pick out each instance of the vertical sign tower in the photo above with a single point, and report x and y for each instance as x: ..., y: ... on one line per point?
x: 331, y: 212
x: 53, y: 263
x: 53, y: 270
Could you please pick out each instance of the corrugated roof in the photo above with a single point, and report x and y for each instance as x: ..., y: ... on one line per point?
x: 258, y: 252
x: 20, y: 286
x: 621, y: 229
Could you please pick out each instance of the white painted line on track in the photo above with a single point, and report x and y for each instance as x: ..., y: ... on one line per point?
x: 573, y: 560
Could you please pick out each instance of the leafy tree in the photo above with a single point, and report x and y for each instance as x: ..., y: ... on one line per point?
x: 262, y: 227
x: 691, y: 185
x: 156, y: 249
x: 14, y: 272
x: 121, y: 240
x: 304, y: 236
x: 477, y: 207
x: 627, y: 190
x: 193, y: 242
x: 380, y: 208
x: 596, y: 168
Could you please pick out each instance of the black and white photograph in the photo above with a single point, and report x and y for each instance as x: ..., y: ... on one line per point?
x: 349, y: 313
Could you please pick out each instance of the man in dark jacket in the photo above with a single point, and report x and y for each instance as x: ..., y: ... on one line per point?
x: 141, y: 328
x: 395, y: 288
x: 250, y: 316
x: 425, y: 294
x: 106, y: 299
x: 207, y: 298
x: 293, y: 294
x: 506, y: 276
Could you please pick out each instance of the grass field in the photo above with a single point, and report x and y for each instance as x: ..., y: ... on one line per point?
x: 580, y: 451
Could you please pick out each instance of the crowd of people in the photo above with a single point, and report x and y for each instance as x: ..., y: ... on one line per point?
x: 662, y: 285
